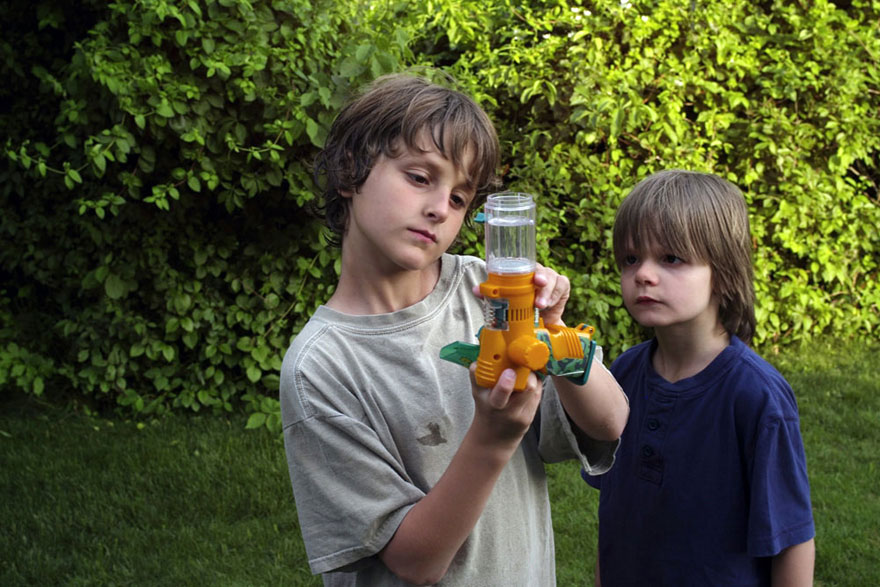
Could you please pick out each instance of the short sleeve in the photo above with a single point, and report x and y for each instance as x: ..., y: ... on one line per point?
x: 780, y: 513
x: 352, y: 494
x: 561, y: 440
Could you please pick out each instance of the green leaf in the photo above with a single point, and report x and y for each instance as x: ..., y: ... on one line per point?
x: 256, y: 420
x: 114, y: 286
x: 164, y: 109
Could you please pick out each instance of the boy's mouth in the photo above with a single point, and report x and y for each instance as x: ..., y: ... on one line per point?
x: 646, y: 300
x: 425, y: 234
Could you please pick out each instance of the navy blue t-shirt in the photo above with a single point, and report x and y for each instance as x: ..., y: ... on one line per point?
x: 710, y: 478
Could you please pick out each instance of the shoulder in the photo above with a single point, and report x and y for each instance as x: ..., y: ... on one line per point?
x: 632, y: 358
x: 313, y: 356
x: 752, y: 366
x: 320, y: 327
x: 466, y: 265
x: 459, y: 274
x: 758, y: 385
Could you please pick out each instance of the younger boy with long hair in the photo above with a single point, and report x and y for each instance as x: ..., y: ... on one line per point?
x: 710, y: 484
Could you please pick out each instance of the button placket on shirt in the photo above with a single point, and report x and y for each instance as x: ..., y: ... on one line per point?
x: 651, y: 435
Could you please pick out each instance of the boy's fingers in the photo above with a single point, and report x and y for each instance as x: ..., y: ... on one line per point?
x: 540, y: 275
x: 544, y: 284
x: 553, y: 288
x: 500, y: 394
x: 559, y: 291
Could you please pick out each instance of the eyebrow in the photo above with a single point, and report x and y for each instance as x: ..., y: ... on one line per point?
x: 426, y: 158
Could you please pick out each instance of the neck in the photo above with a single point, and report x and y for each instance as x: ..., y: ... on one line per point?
x: 363, y: 292
x: 681, y: 355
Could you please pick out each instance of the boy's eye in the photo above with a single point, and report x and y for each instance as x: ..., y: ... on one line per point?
x: 629, y: 260
x: 458, y: 201
x: 672, y: 259
x: 417, y: 178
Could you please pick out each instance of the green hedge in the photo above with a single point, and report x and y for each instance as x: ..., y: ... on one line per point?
x: 155, y: 247
x: 781, y: 100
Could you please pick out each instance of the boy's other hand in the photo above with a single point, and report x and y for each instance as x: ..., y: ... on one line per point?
x: 552, y: 292
x: 502, y: 414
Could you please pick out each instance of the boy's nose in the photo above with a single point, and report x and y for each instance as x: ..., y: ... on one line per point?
x: 437, y: 206
x: 646, y: 273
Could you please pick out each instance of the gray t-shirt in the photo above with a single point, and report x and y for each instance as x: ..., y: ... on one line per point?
x: 372, y: 417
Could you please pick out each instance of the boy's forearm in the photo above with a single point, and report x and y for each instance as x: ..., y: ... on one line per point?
x: 435, y: 528
x: 793, y: 567
x: 599, y: 407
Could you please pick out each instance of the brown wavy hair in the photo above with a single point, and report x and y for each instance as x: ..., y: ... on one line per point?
x: 395, y: 108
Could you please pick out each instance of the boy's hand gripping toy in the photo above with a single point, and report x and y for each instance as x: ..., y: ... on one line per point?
x: 514, y: 335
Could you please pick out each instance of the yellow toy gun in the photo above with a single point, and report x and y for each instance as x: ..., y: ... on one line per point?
x: 514, y: 335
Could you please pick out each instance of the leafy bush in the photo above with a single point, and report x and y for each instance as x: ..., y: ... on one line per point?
x: 777, y: 98
x: 155, y: 247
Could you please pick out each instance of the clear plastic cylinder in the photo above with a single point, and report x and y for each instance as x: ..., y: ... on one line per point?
x: 510, y: 233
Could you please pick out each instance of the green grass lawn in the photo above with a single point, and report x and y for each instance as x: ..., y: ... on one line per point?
x: 197, y: 500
